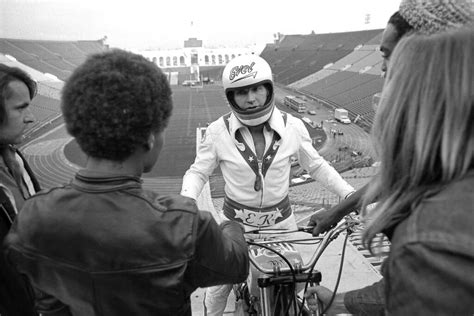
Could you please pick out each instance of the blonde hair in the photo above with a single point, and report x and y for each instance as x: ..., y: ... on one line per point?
x: 424, y: 125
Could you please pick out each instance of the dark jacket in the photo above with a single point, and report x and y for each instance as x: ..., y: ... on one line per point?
x: 16, y: 298
x: 430, y: 267
x: 104, y: 246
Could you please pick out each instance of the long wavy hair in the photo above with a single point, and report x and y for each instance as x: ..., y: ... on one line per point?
x: 424, y: 126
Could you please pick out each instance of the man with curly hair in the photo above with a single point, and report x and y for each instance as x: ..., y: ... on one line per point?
x: 103, y: 245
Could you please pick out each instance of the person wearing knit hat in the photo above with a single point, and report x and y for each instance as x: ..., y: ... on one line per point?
x: 427, y: 93
x: 434, y: 16
x: 396, y: 28
x: 414, y: 17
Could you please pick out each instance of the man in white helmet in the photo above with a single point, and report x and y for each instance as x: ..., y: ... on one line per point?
x: 253, y: 145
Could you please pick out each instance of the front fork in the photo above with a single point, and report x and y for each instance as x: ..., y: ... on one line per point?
x: 268, y: 284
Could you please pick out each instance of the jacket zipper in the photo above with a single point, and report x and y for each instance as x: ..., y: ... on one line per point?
x: 260, y: 174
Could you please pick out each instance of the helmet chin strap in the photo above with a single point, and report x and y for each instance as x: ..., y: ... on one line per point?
x: 254, y: 120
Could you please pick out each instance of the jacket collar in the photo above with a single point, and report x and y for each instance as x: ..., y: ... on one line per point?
x: 86, y: 180
x: 275, y: 123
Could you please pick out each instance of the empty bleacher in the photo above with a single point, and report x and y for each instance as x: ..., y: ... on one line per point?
x: 350, y: 90
x: 58, y: 58
x: 364, y: 56
x: 349, y: 81
x: 353, y: 58
x: 372, y: 58
x: 330, y: 85
x: 312, y: 78
x: 375, y: 40
x: 362, y: 86
x: 45, y: 110
x: 310, y: 64
x: 298, y: 56
x: 49, y: 63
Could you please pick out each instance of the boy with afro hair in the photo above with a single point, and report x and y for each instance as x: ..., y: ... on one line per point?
x: 103, y: 245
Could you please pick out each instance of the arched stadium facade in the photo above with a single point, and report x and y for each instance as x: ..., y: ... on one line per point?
x: 194, y: 62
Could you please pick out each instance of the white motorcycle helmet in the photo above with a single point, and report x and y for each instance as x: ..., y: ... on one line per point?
x: 244, y: 72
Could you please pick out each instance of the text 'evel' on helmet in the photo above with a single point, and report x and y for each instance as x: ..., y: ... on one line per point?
x: 244, y: 72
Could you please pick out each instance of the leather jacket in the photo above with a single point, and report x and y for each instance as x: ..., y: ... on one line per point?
x: 102, y: 245
x: 16, y: 295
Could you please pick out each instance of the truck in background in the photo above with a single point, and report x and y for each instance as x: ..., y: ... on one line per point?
x: 342, y: 116
x: 295, y: 103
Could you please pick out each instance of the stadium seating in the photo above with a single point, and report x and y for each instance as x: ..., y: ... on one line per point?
x: 45, y: 110
x: 342, y: 69
x: 350, y: 81
x: 58, y: 58
x: 295, y: 57
x: 350, y: 90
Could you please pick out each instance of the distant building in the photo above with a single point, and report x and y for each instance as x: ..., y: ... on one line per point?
x: 192, y: 42
x: 195, y: 62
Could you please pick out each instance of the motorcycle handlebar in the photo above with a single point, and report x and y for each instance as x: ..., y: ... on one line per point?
x: 347, y: 224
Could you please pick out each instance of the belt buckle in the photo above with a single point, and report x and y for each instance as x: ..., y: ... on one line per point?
x: 258, y: 219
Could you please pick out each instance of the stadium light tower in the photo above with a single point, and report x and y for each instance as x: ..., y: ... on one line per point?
x: 367, y: 18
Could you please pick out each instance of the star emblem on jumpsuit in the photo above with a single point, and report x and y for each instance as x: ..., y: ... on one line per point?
x: 250, y: 158
x: 277, y: 213
x: 269, y: 157
x: 239, y: 214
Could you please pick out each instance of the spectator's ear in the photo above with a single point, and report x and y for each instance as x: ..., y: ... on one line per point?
x: 150, y: 142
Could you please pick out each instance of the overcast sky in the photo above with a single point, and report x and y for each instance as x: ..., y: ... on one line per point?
x: 165, y: 24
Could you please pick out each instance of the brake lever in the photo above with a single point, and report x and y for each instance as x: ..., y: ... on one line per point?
x: 306, y: 229
x: 309, y: 229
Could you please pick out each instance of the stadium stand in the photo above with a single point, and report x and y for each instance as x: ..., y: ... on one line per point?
x: 375, y: 40
x: 45, y: 110
x: 349, y: 82
x: 372, y: 58
x: 12, y: 62
x: 58, y: 58
x: 297, y: 56
x: 350, y: 90
x: 49, y: 63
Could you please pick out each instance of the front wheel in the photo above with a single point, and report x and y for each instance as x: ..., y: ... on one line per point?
x: 248, y: 305
x: 245, y: 303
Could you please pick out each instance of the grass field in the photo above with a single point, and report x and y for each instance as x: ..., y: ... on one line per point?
x: 193, y: 107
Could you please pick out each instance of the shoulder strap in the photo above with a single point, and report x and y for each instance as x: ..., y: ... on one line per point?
x: 6, y: 206
x: 35, y: 182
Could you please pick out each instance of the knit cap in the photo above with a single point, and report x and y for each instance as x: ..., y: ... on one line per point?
x: 434, y: 16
